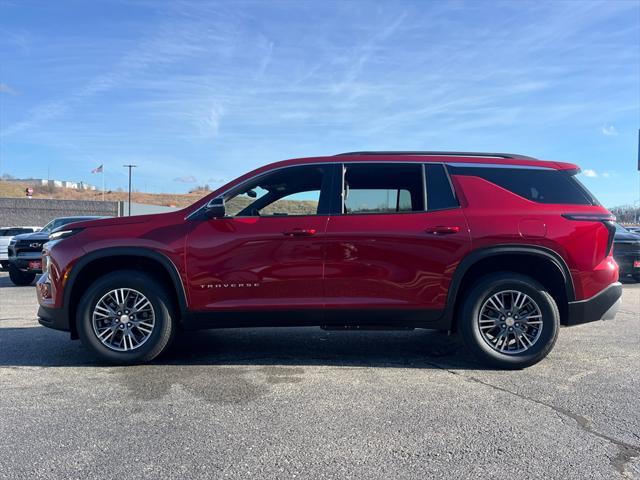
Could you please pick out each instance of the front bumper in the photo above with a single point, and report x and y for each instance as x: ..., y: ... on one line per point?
x: 22, y: 262
x: 56, y: 318
x: 602, y: 306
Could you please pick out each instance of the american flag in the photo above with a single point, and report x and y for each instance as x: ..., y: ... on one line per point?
x: 97, y: 169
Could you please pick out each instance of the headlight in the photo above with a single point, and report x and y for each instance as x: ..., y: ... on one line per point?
x: 13, y: 241
x: 60, y: 234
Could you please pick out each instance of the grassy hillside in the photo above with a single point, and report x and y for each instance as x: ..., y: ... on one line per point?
x: 11, y: 189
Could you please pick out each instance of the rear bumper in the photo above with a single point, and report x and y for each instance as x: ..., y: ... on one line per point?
x: 55, y: 318
x: 602, y: 306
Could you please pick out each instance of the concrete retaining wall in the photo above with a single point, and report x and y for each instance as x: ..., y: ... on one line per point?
x: 143, y: 209
x: 35, y: 211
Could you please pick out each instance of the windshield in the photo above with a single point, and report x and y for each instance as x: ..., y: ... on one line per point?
x: 621, y: 229
x: 49, y: 226
x: 58, y: 222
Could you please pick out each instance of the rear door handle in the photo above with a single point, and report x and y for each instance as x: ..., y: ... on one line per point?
x: 300, y: 232
x: 442, y: 230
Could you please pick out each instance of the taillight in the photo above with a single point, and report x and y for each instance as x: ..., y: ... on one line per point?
x: 591, y: 217
x: 607, y: 220
x: 612, y: 233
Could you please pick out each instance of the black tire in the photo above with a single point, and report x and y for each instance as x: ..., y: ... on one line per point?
x: 636, y: 277
x: 162, y: 333
x: 4, y: 265
x: 470, y: 329
x: 20, y: 278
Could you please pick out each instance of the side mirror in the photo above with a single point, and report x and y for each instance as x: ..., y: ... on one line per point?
x: 215, y: 208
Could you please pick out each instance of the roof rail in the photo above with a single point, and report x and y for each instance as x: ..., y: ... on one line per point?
x: 442, y: 154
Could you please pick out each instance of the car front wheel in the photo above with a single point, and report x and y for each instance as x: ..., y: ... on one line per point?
x: 126, y: 317
x: 509, y: 321
x: 20, y: 278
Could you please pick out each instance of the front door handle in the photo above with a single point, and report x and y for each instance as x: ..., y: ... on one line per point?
x: 300, y: 232
x: 442, y: 230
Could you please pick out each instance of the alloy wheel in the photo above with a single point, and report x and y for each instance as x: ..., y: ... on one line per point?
x: 510, y: 322
x: 123, y: 319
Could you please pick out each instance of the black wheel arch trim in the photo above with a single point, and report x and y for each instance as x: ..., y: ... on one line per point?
x: 507, y: 249
x: 162, y: 259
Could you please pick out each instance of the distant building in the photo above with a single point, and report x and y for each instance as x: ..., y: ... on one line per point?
x: 52, y: 183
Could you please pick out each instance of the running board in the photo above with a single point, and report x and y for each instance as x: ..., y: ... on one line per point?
x: 365, y: 327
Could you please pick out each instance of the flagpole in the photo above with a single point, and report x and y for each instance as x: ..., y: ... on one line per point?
x: 103, y: 182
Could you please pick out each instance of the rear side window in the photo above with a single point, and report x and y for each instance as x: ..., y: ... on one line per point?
x: 542, y: 186
x: 382, y: 188
x: 439, y: 190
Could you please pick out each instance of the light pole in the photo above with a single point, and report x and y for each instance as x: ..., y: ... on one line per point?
x: 130, y: 167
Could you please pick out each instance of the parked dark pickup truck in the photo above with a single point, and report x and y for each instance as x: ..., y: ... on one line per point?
x: 626, y: 251
x: 25, y: 251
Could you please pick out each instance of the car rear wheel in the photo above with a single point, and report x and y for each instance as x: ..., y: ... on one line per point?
x: 20, y: 278
x: 509, y: 321
x: 126, y: 317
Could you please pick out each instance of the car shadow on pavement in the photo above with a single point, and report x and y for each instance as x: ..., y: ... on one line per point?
x: 41, y: 347
x: 5, y: 282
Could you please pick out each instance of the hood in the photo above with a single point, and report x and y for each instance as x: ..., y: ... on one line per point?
x: 114, y: 221
x: 32, y: 236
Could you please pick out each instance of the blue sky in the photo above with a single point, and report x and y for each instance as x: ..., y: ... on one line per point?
x: 199, y: 92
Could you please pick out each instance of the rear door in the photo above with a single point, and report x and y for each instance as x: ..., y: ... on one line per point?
x: 396, y: 239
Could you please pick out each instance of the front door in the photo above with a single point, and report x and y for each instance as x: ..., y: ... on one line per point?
x: 267, y: 253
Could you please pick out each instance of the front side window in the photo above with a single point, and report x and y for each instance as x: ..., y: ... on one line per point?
x: 382, y: 188
x: 284, y: 192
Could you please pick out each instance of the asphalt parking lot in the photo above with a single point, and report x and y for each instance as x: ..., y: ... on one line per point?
x: 305, y: 403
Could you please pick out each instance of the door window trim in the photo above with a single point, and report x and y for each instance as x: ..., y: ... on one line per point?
x: 341, y: 199
x: 336, y: 201
x: 338, y: 196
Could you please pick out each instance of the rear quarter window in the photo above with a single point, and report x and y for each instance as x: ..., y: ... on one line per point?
x: 541, y: 186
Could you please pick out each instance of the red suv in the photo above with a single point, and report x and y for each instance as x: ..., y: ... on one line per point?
x: 501, y: 248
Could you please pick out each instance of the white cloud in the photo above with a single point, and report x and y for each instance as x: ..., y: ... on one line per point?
x: 4, y: 88
x: 186, y: 179
x: 608, y: 130
x: 211, y: 122
x: 591, y: 173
